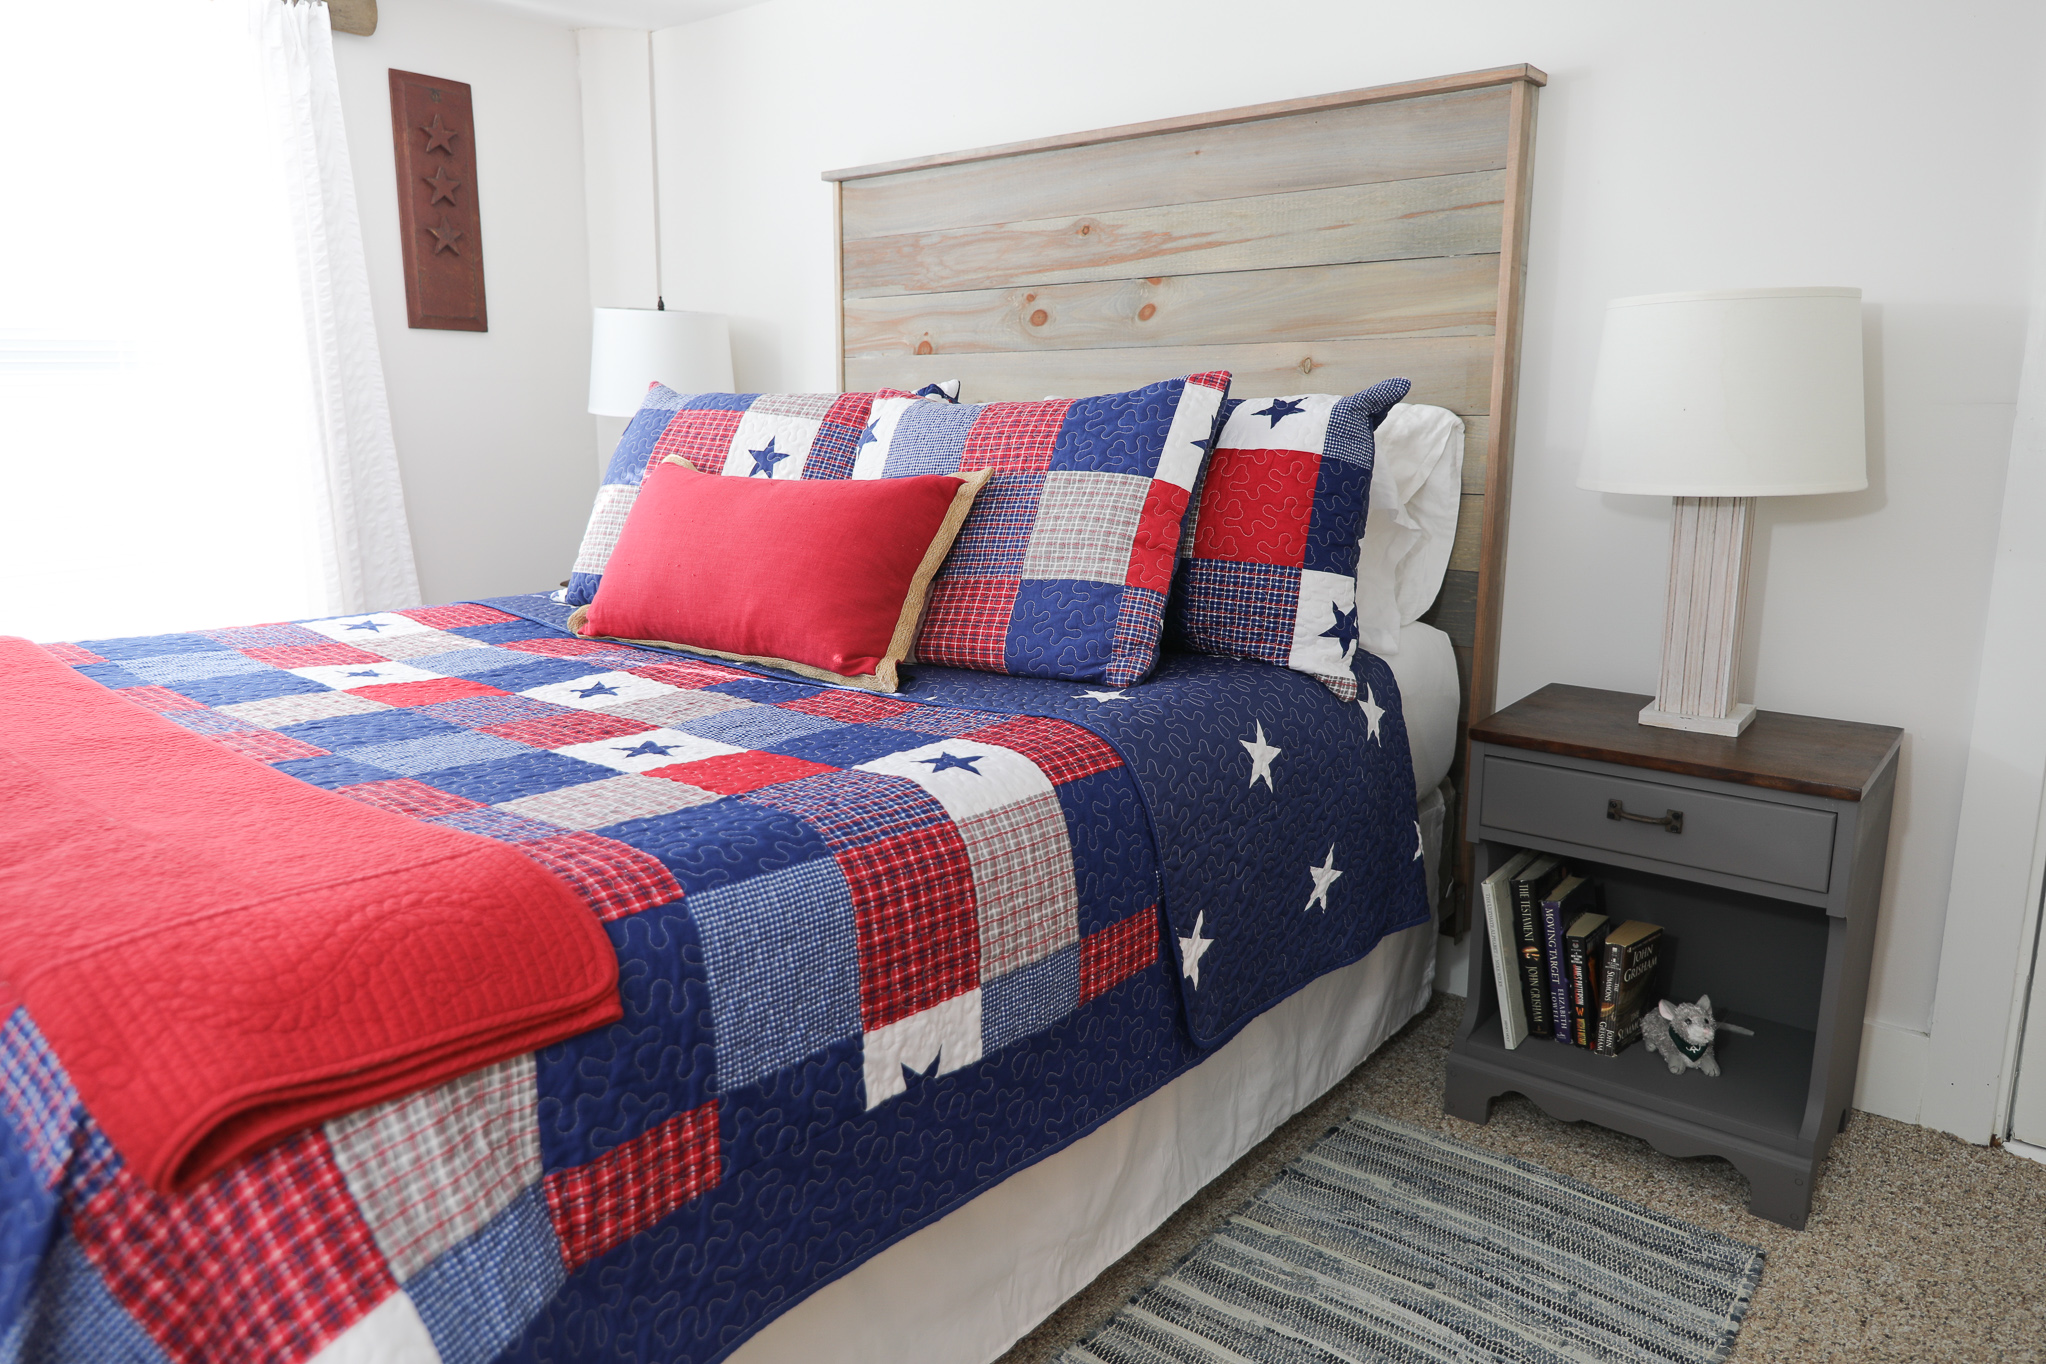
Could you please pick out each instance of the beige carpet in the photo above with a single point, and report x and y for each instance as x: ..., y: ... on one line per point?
x: 1920, y: 1247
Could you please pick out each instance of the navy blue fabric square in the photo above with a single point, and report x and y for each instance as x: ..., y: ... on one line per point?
x: 1060, y: 627
x: 629, y: 456
x: 501, y: 631
x: 541, y: 672
x: 755, y: 727
x: 332, y: 771
x: 111, y: 675
x: 714, y: 845
x: 517, y: 1255
x: 226, y: 691
x: 338, y: 732
x: 148, y: 646
x: 1342, y: 496
x: 607, y: 1086
x: 1029, y: 999
x: 472, y: 662
x: 529, y: 774
x: 929, y: 439
x: 850, y: 745
x: 1118, y: 433
x: 767, y: 691
x: 718, y: 402
x: 1095, y: 808
x: 997, y: 536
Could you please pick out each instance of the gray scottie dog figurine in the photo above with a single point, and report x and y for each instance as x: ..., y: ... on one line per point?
x: 1682, y: 1035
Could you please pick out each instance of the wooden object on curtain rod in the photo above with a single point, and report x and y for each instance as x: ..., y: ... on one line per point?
x: 353, y: 16
x: 1317, y: 244
x: 434, y: 132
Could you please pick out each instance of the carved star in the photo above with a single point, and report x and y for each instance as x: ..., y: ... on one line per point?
x: 1192, y: 949
x: 1280, y: 409
x: 1324, y: 876
x: 444, y: 236
x: 949, y: 760
x: 444, y: 185
x: 1261, y: 755
x: 1373, y: 712
x: 440, y: 136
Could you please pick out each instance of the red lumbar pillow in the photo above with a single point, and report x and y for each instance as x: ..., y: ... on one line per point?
x: 826, y: 579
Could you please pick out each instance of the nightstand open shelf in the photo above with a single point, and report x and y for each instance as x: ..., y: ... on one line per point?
x: 1767, y: 899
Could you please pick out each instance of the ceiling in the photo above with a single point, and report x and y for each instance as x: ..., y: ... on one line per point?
x: 623, y: 13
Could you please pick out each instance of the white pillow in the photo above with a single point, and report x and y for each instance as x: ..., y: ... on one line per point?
x: 1416, y: 490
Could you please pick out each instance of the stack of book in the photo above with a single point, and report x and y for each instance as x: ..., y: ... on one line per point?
x: 1564, y: 969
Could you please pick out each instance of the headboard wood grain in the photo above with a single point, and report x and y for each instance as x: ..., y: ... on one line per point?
x: 1309, y: 245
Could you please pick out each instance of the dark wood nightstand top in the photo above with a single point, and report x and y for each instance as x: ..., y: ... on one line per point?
x: 1833, y: 758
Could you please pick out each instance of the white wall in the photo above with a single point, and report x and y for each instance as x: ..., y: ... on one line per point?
x: 1680, y: 147
x: 493, y: 439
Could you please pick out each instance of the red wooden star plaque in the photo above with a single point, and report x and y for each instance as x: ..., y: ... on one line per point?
x: 434, y: 132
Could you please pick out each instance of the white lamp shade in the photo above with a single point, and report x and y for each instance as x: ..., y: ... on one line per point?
x: 633, y: 347
x: 1735, y: 393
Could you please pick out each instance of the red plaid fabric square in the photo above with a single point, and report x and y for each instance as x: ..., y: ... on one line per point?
x: 456, y: 616
x: 702, y: 438
x: 265, y: 745
x: 730, y: 773
x: 853, y: 707
x: 615, y: 879
x: 162, y: 700
x: 427, y: 693
x: 570, y: 727
x: 311, y: 655
x: 1155, y: 551
x: 404, y: 796
x: 269, y: 1259
x: 1015, y: 438
x: 966, y: 624
x: 1065, y: 752
x: 70, y: 653
x: 687, y: 674
x: 1114, y: 954
x: 559, y: 648
x: 837, y: 441
x: 1256, y: 506
x: 919, y: 937
x: 633, y: 1185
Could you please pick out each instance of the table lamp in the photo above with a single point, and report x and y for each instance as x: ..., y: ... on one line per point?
x: 1713, y: 400
x: 633, y: 347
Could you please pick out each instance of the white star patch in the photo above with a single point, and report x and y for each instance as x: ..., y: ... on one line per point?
x: 1324, y: 876
x: 1099, y: 696
x: 1261, y: 755
x: 1373, y: 712
x: 1192, y: 949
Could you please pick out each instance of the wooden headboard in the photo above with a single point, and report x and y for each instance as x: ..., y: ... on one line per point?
x: 1312, y: 245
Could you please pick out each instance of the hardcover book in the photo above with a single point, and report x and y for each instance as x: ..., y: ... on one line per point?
x: 1626, y: 983
x: 1530, y: 886
x: 1583, y: 945
x: 1559, y: 907
x: 1497, y: 894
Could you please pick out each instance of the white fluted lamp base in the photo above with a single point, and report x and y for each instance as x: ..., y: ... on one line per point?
x: 1702, y: 620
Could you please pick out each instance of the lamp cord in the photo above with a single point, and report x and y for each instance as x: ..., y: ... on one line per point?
x: 654, y: 141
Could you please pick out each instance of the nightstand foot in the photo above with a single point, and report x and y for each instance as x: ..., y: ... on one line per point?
x: 1467, y: 1096
x: 1780, y: 1193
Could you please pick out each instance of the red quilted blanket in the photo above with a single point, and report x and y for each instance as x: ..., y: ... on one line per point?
x: 221, y: 954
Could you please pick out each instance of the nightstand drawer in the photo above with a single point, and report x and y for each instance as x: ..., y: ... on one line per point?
x: 1786, y: 845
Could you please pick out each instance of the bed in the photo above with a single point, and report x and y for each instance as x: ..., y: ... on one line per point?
x: 735, y: 1168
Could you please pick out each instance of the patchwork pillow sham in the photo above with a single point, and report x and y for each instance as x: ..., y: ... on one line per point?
x: 1268, y: 556
x: 852, y: 564
x: 772, y: 435
x: 1065, y: 564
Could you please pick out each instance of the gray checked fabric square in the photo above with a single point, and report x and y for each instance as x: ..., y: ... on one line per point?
x: 195, y: 667
x: 426, y: 642
x: 672, y: 708
x: 756, y: 726
x: 430, y: 1169
x: 275, y: 712
x: 435, y: 751
x: 1086, y: 522
x: 815, y: 406
x: 594, y: 804
x: 1023, y: 879
x: 471, y: 662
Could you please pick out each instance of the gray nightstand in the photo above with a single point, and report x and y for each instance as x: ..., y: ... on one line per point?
x: 1768, y: 900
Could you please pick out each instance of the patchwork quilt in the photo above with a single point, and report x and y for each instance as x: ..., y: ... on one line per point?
x: 876, y: 953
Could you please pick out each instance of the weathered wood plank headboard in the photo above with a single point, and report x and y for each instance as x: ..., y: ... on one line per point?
x: 1312, y: 245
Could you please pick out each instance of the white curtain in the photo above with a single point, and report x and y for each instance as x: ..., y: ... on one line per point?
x: 193, y: 427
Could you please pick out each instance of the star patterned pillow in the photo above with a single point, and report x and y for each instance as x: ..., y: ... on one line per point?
x: 1064, y: 565
x: 748, y: 435
x: 1268, y: 556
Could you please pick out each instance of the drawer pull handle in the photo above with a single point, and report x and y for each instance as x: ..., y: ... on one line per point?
x: 1672, y: 820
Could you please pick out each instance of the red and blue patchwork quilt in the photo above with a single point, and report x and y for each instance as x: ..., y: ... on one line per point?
x: 875, y: 954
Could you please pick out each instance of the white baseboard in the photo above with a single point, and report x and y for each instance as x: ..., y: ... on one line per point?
x: 1891, y: 1078
x: 1452, y: 965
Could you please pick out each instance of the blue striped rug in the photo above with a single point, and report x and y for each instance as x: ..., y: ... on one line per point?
x: 1385, y: 1242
